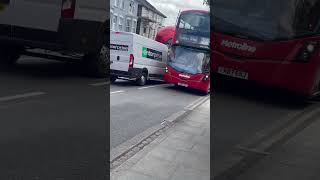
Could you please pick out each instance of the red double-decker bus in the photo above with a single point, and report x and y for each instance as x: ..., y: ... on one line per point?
x: 165, y: 35
x: 275, y: 43
x: 189, y: 57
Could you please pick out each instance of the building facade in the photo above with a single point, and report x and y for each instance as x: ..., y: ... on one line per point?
x: 123, y: 15
x: 150, y: 20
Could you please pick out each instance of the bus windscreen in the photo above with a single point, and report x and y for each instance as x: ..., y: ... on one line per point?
x: 189, y: 60
x: 266, y: 19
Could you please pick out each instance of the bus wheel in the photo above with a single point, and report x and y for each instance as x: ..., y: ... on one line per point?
x: 113, y: 79
x: 205, y: 93
x: 142, y: 80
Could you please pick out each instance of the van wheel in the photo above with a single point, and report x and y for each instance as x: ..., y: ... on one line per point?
x: 142, y: 80
x: 97, y: 63
x: 9, y: 55
x: 113, y: 79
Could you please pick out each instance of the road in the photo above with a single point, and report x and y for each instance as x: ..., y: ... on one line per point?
x: 53, y: 121
x: 240, y: 110
x: 134, y: 109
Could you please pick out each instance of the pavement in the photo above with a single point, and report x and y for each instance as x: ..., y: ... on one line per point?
x: 296, y: 159
x: 53, y: 121
x: 243, y: 111
x: 181, y: 152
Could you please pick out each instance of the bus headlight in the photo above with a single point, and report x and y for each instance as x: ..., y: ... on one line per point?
x: 307, y: 51
x: 206, y: 78
x: 166, y: 70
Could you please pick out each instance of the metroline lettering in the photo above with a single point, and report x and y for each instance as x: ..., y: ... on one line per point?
x: 243, y: 46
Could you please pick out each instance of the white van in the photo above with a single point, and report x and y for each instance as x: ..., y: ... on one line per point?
x: 75, y: 29
x: 136, y: 57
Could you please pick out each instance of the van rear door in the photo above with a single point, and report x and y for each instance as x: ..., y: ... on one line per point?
x: 120, y: 50
x: 37, y: 19
x: 6, y: 7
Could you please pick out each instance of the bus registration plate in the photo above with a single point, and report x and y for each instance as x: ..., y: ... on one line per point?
x: 233, y: 73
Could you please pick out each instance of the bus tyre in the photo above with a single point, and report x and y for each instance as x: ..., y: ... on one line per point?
x: 113, y: 79
x: 142, y: 80
x: 9, y: 55
x: 205, y: 93
x: 97, y: 63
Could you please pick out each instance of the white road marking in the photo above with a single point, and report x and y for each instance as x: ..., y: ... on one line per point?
x: 100, y: 84
x: 116, y: 92
x: 147, y: 87
x: 20, y: 96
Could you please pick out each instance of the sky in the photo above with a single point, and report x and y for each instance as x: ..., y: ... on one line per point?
x: 171, y: 8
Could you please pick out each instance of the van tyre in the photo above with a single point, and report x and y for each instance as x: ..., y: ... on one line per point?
x: 142, y: 80
x: 113, y: 79
x: 97, y: 63
x: 9, y: 55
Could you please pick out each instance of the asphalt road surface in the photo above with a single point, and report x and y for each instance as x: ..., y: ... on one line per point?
x: 240, y: 110
x: 53, y: 121
x: 134, y: 109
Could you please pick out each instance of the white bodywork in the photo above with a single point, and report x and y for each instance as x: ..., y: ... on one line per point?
x: 45, y: 14
x: 130, y: 43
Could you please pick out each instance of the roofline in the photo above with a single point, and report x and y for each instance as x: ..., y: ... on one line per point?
x: 195, y: 10
x: 154, y: 9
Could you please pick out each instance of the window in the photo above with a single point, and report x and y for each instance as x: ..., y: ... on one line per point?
x: 120, y: 23
x: 121, y: 4
x: 134, y: 25
x: 150, y: 14
x: 114, y: 22
x: 111, y: 20
x: 118, y: 3
x: 128, y: 25
x: 146, y: 13
x: 131, y: 7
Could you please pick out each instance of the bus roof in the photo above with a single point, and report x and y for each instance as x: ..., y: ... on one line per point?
x: 194, y: 10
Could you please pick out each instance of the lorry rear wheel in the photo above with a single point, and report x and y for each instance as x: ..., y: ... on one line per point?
x: 97, y: 63
x: 9, y: 55
x: 142, y: 80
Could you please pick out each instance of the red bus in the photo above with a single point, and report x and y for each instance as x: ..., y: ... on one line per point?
x: 189, y: 57
x: 166, y: 34
x: 275, y: 43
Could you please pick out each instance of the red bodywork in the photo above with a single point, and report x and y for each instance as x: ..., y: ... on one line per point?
x: 195, y: 81
x: 165, y: 34
x: 273, y: 63
x: 184, y: 12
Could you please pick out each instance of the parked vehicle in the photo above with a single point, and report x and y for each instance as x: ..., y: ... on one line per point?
x: 57, y: 29
x: 189, y: 58
x: 275, y: 43
x: 135, y: 57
